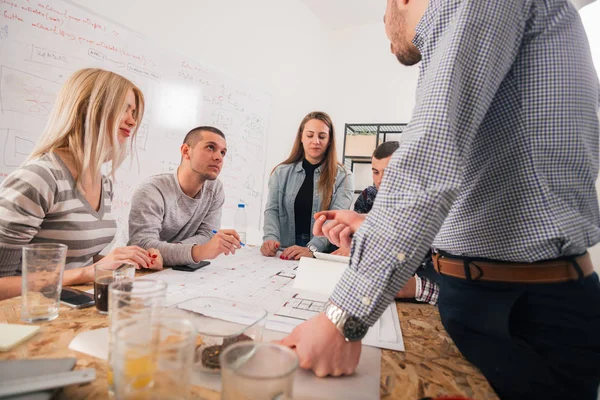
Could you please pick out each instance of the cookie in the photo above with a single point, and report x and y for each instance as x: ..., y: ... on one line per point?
x: 210, y: 356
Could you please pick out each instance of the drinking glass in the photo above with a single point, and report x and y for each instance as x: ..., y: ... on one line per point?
x: 257, y: 371
x: 132, y: 301
x: 106, y: 273
x: 41, y: 283
x: 152, y: 359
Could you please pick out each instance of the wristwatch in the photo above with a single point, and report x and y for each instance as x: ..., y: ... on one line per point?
x: 351, y: 328
x: 312, y: 248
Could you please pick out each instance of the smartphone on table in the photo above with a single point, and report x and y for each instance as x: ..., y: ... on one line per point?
x: 191, y: 267
x: 76, y: 298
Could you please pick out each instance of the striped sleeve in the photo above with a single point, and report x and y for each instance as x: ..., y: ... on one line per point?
x: 26, y: 195
x: 426, y: 291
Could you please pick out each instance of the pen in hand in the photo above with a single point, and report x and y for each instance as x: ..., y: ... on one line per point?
x: 241, y: 243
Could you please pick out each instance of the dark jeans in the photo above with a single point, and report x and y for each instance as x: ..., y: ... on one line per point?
x: 531, y: 341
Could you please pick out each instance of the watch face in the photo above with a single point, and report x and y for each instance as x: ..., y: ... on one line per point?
x: 312, y: 248
x: 354, y: 329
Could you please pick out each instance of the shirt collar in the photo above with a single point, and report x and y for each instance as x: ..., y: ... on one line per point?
x: 299, y: 168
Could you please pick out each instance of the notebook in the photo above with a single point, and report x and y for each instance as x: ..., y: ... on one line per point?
x: 15, y: 369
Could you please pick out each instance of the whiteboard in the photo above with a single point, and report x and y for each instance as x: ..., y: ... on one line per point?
x: 43, y: 42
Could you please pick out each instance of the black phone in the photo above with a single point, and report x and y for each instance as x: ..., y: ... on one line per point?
x: 191, y: 267
x: 76, y: 298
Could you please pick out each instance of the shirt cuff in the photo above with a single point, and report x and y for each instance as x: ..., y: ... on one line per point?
x: 319, y: 242
x: 418, y: 288
x: 270, y: 237
x: 361, y: 297
x: 177, y: 254
x: 427, y: 291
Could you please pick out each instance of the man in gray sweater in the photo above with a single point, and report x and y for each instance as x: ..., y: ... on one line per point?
x: 176, y: 213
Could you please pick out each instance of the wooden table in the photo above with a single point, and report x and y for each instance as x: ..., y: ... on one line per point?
x: 431, y: 365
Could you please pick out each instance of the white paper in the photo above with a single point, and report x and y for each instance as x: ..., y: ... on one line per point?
x: 322, y: 276
x: 332, y: 257
x: 94, y: 343
x: 318, y: 276
x: 268, y: 282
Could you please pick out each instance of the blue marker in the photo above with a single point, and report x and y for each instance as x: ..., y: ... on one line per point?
x: 214, y: 231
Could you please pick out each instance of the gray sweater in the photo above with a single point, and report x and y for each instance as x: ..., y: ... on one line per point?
x: 39, y: 203
x: 165, y: 218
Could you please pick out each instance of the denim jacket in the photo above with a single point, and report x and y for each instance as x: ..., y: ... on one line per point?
x: 284, y: 185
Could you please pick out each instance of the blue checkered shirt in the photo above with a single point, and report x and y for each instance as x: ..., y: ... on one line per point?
x: 500, y: 157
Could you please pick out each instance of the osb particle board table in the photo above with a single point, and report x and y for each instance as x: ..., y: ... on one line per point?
x: 430, y: 366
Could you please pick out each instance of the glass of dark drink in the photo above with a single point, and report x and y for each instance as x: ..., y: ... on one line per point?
x: 105, y: 274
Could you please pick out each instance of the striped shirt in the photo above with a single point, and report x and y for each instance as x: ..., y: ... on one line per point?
x: 500, y: 157
x: 39, y: 203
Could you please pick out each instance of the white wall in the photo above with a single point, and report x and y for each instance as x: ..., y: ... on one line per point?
x: 273, y: 44
x: 368, y: 84
x: 277, y: 45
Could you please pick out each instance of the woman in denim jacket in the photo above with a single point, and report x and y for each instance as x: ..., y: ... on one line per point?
x: 309, y: 180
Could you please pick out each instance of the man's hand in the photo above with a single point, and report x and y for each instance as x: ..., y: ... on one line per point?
x: 226, y: 241
x: 321, y: 347
x: 295, y: 252
x: 269, y: 248
x: 338, y: 226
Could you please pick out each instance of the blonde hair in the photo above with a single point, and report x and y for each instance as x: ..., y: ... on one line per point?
x: 85, y: 121
x: 330, y: 162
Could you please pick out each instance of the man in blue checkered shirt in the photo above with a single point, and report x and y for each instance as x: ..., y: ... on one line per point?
x: 496, y: 171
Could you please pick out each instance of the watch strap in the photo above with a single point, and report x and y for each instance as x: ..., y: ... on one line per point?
x: 337, y: 316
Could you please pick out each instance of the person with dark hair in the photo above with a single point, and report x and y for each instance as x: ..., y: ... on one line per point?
x: 311, y: 179
x: 422, y: 287
x: 177, y: 212
x: 379, y: 160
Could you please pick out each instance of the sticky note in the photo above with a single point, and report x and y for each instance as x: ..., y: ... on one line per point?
x: 13, y: 334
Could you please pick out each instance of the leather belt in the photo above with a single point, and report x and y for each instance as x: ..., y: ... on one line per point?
x: 550, y: 271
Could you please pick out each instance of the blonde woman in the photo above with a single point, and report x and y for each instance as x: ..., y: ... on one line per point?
x: 60, y: 195
x: 310, y: 180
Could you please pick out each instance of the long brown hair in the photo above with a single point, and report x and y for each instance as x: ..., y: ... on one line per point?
x: 330, y: 162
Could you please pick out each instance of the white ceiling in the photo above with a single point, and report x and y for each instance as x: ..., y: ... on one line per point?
x: 351, y: 13
x: 347, y: 13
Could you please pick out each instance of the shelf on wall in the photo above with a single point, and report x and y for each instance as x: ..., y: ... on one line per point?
x: 361, y: 140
